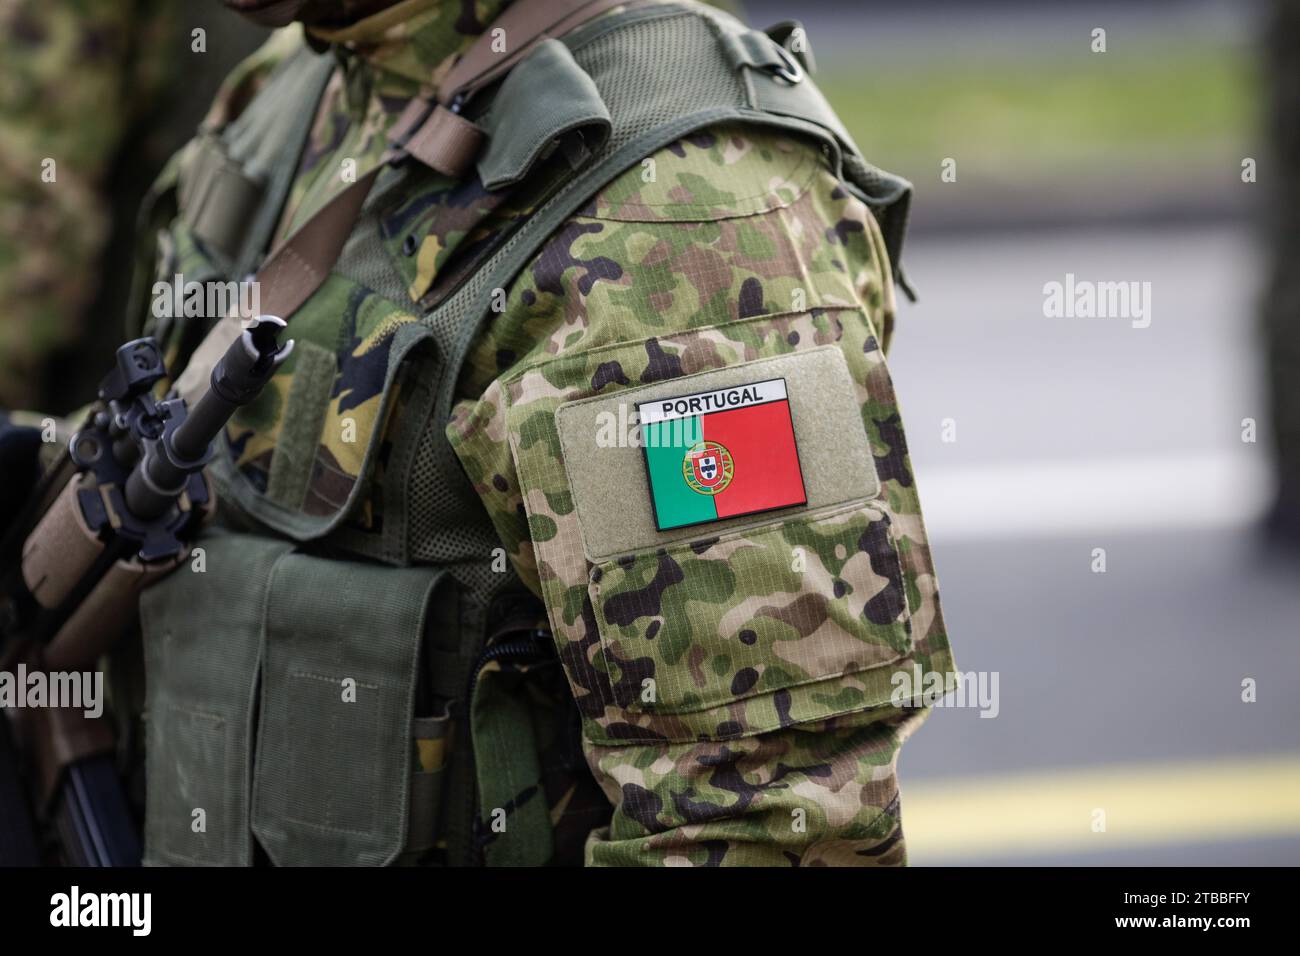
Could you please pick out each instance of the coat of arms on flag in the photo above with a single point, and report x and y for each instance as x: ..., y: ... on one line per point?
x: 721, y: 454
x: 708, y: 468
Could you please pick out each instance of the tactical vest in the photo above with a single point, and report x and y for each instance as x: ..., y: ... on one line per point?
x: 354, y: 677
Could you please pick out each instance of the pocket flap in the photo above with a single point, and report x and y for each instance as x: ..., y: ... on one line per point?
x: 333, y: 774
x: 754, y: 613
x: 200, y: 699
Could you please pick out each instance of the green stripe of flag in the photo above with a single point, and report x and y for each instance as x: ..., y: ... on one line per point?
x: 675, y: 503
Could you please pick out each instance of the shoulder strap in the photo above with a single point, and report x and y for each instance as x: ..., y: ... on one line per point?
x: 659, y: 72
x: 530, y: 20
x: 662, y: 71
x: 433, y: 133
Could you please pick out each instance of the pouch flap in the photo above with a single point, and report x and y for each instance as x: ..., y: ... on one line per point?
x: 199, y: 700
x: 332, y: 781
x: 545, y: 97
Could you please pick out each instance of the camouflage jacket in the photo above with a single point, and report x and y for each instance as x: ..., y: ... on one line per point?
x: 742, y: 244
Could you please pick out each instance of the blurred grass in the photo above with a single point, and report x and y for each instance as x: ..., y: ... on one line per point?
x: 1037, y: 116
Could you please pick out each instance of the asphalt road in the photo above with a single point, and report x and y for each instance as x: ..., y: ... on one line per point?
x: 1080, y: 433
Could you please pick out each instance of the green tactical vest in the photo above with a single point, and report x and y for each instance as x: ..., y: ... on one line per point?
x: 352, y: 675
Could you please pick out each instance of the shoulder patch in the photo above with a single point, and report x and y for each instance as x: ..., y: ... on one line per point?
x: 742, y: 445
x: 720, y: 454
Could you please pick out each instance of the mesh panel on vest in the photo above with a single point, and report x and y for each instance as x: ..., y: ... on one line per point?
x: 463, y: 538
x: 364, y: 258
x: 679, y: 52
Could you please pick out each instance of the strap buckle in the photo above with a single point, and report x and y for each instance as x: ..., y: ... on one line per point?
x: 788, y: 69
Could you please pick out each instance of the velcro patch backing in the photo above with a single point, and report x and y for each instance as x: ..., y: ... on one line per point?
x: 602, y: 440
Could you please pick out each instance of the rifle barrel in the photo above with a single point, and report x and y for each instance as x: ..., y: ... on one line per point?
x: 248, y: 364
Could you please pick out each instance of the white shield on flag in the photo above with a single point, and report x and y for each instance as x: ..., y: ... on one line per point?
x: 707, y: 469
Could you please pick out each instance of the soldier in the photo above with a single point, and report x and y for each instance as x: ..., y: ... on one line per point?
x: 579, y: 525
x: 89, y: 111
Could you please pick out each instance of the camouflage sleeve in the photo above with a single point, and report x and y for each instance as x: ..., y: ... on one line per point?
x: 732, y: 677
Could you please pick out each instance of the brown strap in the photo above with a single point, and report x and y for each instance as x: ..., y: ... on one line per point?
x: 438, y: 137
x: 290, y: 275
x: 446, y: 142
x: 300, y: 264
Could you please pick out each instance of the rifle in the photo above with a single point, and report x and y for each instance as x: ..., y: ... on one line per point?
x: 119, y: 509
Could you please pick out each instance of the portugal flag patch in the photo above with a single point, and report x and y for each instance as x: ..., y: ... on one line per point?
x: 721, y: 454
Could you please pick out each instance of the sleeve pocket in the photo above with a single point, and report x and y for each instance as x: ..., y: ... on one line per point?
x: 786, y: 616
x: 766, y: 618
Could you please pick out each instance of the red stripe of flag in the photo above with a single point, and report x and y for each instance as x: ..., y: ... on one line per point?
x: 761, y: 441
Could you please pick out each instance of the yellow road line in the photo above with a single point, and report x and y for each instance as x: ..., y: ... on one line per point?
x: 1140, y: 805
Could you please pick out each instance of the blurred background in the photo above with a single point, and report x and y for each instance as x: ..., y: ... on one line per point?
x: 112, y: 88
x: 1038, y: 440
x: 1145, y: 713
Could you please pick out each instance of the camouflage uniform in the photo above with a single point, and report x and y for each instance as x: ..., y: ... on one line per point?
x: 80, y: 80
x: 741, y: 245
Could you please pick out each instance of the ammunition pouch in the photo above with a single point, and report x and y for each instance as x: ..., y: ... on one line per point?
x: 290, y: 711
